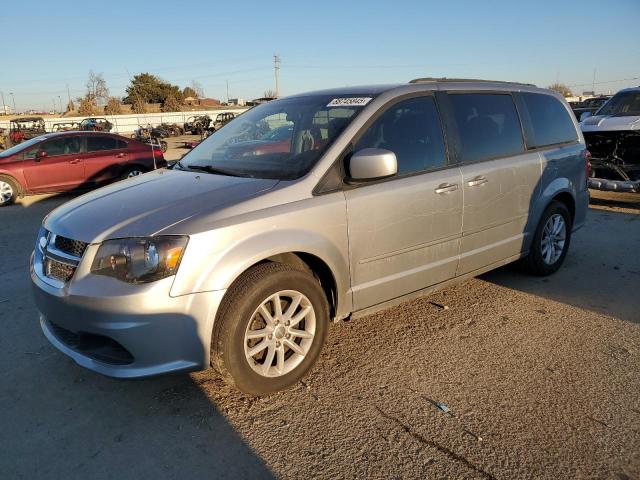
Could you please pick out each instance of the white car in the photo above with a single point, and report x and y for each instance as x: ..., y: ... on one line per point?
x: 613, y: 138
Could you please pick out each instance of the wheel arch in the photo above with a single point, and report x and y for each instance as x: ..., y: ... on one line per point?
x: 19, y: 185
x: 300, y: 249
x: 562, y: 190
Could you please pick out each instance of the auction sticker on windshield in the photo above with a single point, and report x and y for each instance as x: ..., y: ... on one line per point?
x: 349, y: 102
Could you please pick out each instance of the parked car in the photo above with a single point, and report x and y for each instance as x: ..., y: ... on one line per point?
x: 590, y: 105
x: 65, y: 126
x: 93, y: 124
x: 197, y: 125
x: 25, y: 128
x: 66, y: 161
x: 613, y: 138
x: 241, y: 262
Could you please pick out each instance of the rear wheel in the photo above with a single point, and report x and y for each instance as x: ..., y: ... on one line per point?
x: 550, y: 241
x: 270, y: 328
x: 133, y: 172
x: 9, y: 191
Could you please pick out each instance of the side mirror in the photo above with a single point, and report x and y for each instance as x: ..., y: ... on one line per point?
x: 584, y: 116
x: 41, y: 154
x: 372, y: 164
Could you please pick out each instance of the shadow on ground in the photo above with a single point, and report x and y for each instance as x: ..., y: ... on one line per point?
x: 600, y: 246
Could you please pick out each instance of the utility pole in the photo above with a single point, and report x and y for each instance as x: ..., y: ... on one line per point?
x: 15, y: 110
x: 60, y: 100
x: 4, y: 105
x: 69, y: 95
x: 227, y: 92
x: 276, y: 68
x: 593, y: 86
x: 54, y: 105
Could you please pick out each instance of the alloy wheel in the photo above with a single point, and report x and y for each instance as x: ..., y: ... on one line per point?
x: 280, y: 333
x: 553, y: 239
x: 6, y: 192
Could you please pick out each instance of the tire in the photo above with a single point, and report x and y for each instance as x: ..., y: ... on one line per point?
x: 133, y: 171
x: 543, y: 261
x: 9, y: 191
x: 239, y: 314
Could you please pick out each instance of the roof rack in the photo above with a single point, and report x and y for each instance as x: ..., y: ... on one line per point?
x: 445, y: 79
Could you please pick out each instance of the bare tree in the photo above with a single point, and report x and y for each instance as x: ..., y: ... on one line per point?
x: 70, y: 106
x: 171, y: 104
x: 269, y: 93
x: 86, y: 106
x: 139, y: 106
x: 562, y: 89
x: 198, y: 89
x: 113, y: 106
x: 97, y: 90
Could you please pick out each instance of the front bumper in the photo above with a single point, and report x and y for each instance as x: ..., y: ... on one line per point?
x: 123, y: 330
x: 614, y: 185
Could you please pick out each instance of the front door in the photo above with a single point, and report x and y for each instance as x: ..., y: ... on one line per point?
x: 59, y: 170
x: 404, y: 232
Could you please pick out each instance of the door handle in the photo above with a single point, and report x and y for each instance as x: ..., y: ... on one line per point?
x: 74, y: 161
x: 446, y: 188
x: 121, y: 155
x: 479, y: 180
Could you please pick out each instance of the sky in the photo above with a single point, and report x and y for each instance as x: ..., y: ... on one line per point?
x: 51, y: 44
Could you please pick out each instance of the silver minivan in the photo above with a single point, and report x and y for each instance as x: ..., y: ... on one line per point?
x: 308, y: 209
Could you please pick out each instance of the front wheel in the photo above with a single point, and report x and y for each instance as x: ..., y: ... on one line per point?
x: 270, y: 328
x: 9, y: 191
x: 550, y: 241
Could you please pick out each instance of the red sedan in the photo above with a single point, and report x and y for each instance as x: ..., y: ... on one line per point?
x: 68, y: 161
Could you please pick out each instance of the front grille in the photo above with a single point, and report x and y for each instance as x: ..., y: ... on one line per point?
x: 72, y: 247
x: 98, y: 347
x: 58, y: 270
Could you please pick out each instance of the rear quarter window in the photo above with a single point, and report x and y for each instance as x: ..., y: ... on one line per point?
x: 488, y: 125
x: 96, y: 144
x: 546, y: 121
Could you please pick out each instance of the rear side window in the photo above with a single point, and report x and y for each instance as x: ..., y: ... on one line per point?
x: 410, y: 129
x: 547, y: 122
x: 488, y: 125
x: 96, y: 144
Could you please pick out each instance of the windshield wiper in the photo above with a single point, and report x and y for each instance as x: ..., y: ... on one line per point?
x: 215, y: 170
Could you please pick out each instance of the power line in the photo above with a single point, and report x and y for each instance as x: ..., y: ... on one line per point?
x: 605, y: 82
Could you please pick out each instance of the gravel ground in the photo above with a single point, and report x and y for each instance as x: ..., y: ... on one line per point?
x: 535, y: 378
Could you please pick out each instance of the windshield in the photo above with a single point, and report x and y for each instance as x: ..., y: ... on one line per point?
x: 21, y: 146
x: 279, y: 140
x: 622, y: 104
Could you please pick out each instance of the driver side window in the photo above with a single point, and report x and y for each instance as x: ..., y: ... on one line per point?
x: 53, y: 148
x: 410, y: 129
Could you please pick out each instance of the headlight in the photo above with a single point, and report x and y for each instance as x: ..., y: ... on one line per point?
x: 139, y: 260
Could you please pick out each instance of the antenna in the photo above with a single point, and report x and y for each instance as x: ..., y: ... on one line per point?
x: 276, y: 68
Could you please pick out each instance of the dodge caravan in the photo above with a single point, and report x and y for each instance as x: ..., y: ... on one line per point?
x: 241, y: 254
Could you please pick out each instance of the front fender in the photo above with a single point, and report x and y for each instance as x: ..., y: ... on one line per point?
x: 214, y: 259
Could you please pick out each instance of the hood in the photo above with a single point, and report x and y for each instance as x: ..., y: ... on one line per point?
x: 148, y: 204
x: 600, y: 123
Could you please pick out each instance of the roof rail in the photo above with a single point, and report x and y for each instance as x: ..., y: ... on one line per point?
x: 445, y: 79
